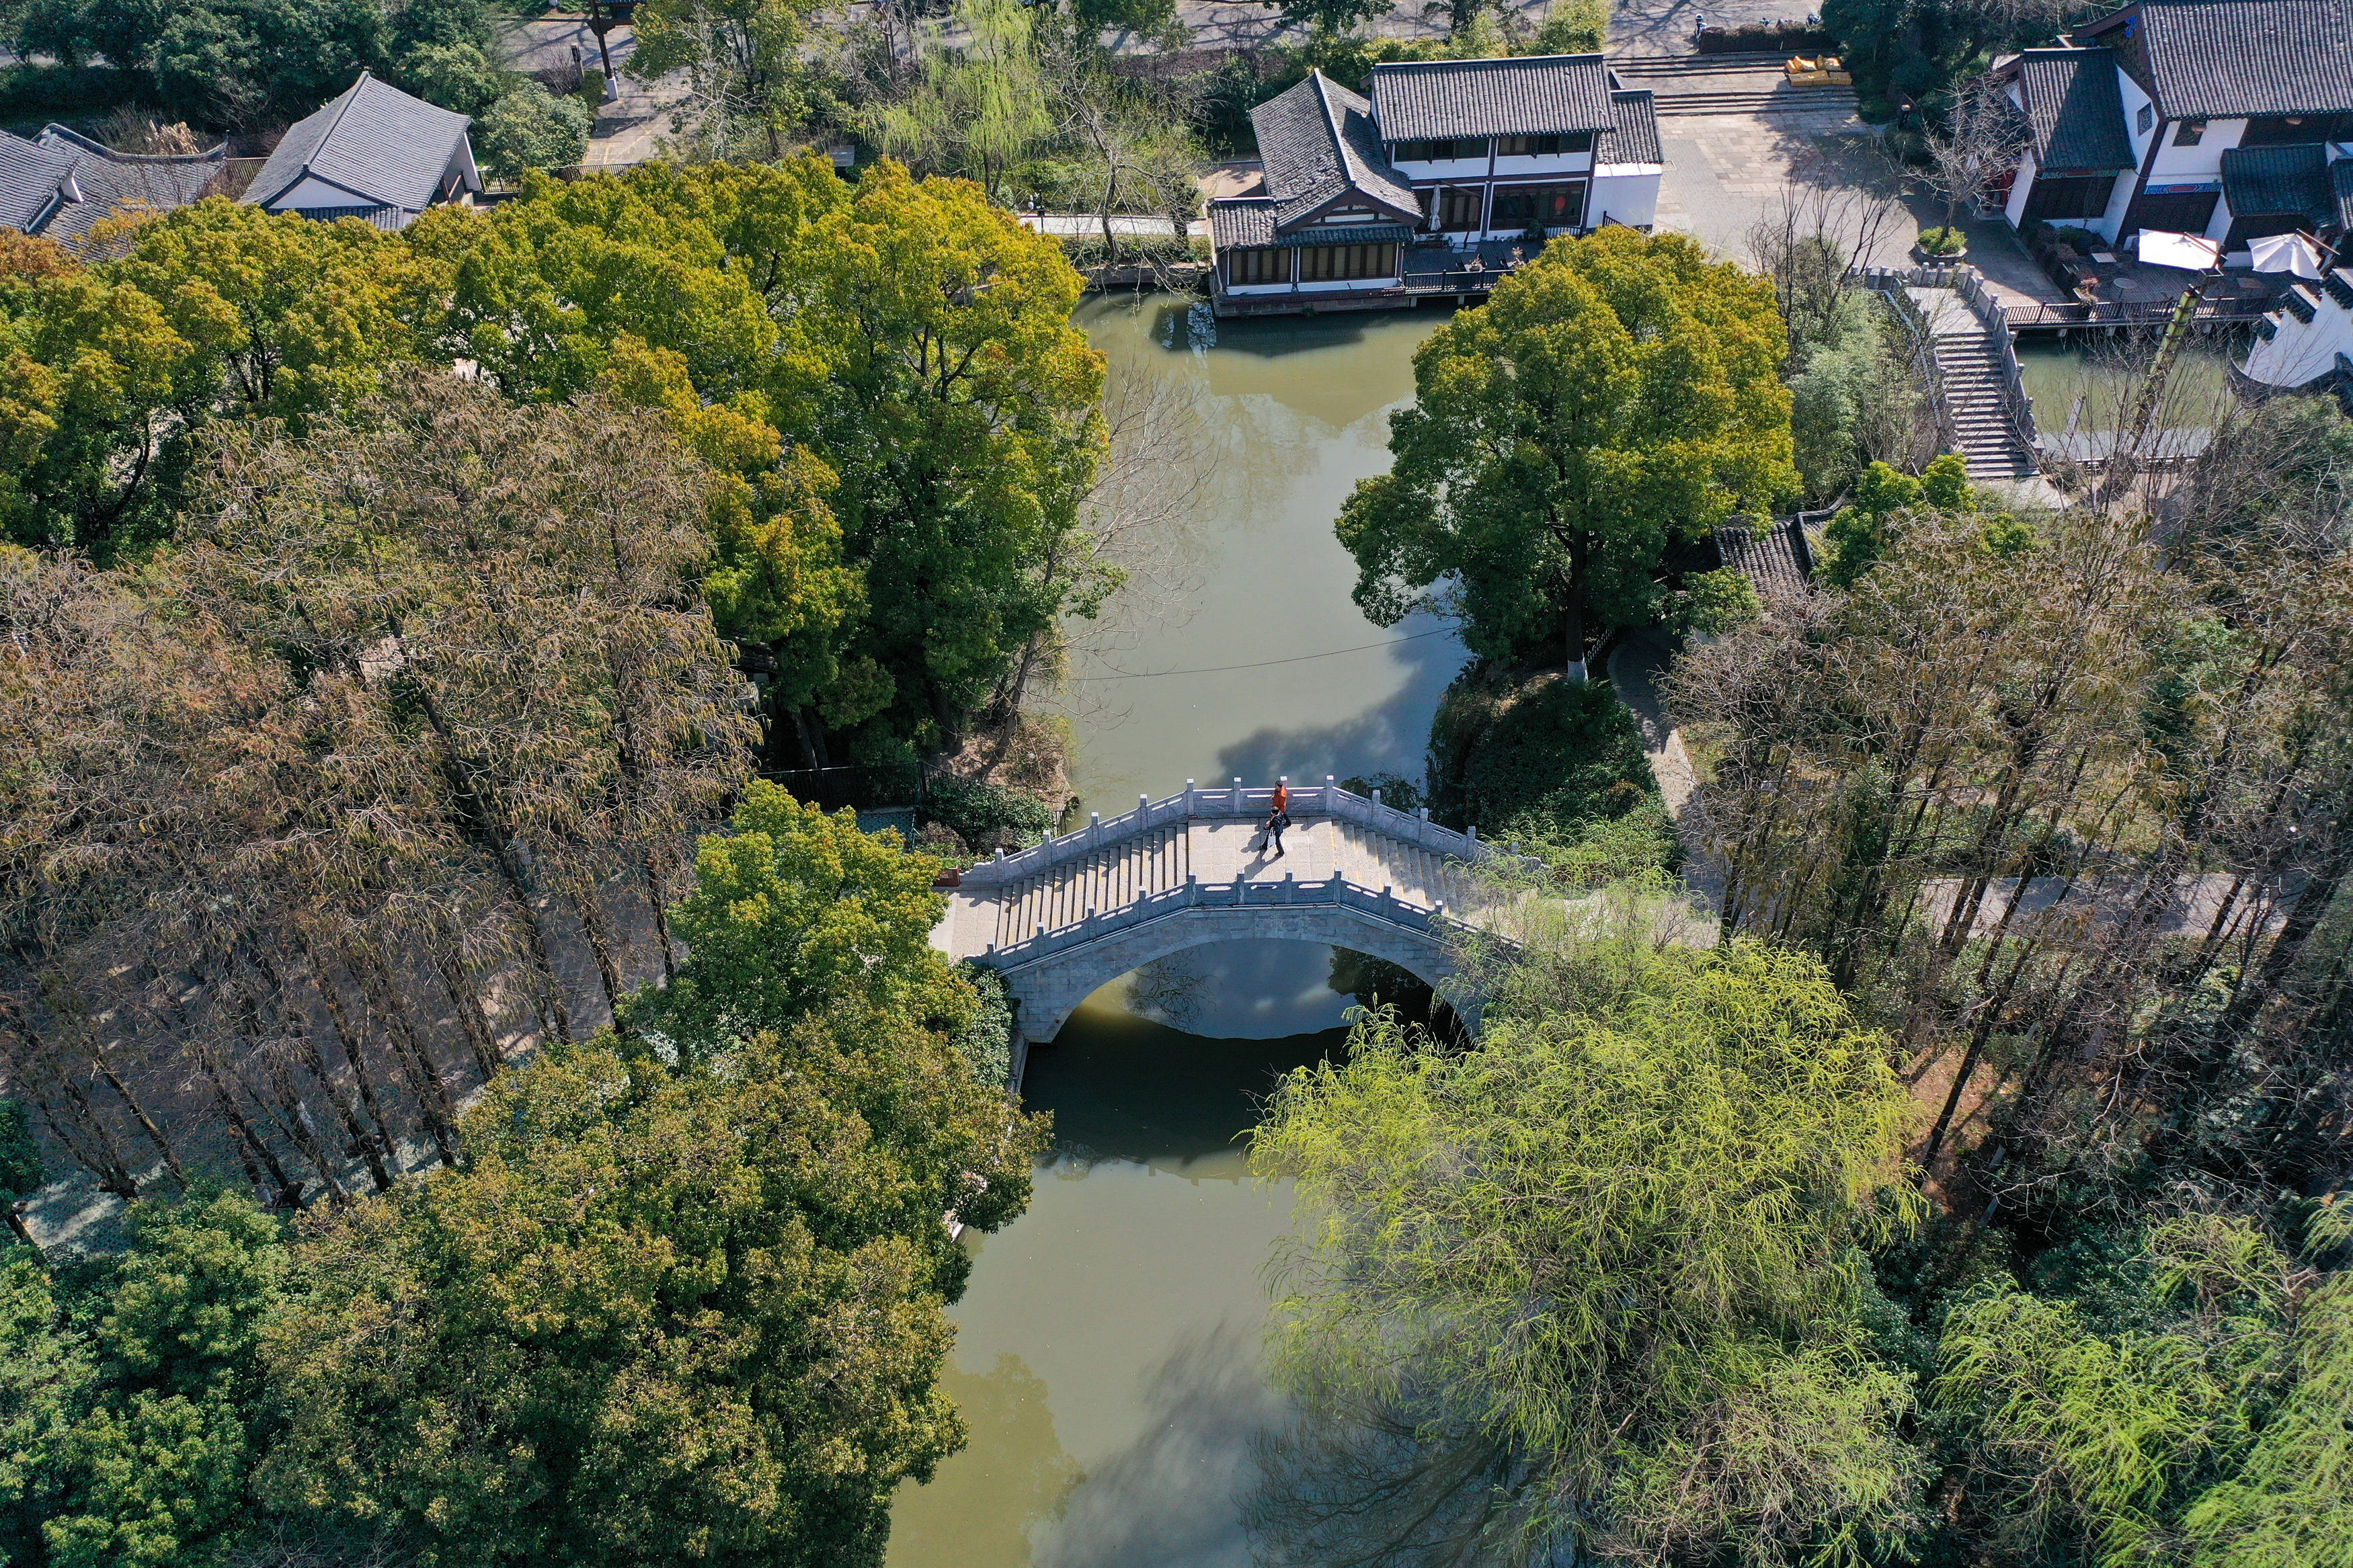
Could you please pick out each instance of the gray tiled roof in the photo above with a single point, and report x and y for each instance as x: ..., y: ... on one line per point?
x: 2268, y: 182
x: 1635, y: 137
x: 32, y: 176
x: 1539, y: 95
x: 1237, y: 221
x: 375, y: 141
x: 2220, y: 59
x: 1347, y: 234
x: 2073, y: 110
x: 112, y: 182
x: 1773, y: 560
x: 1315, y: 142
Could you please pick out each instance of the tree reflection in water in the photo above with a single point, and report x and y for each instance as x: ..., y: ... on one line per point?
x: 1355, y: 1479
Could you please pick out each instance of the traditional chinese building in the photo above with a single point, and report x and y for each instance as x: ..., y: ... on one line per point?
x: 1440, y: 182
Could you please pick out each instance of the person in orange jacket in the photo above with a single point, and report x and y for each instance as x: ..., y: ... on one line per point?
x: 1279, y: 818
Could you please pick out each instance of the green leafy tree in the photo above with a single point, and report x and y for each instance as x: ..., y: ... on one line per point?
x: 980, y: 107
x: 1595, y: 1278
x: 248, y: 63
x: 685, y: 1299
x: 218, y: 311
x: 743, y: 59
x: 456, y: 76
x: 1618, y: 393
x: 2209, y: 1433
x: 22, y: 1169
x: 132, y: 1407
x: 48, y: 1373
x: 1861, y: 532
x: 531, y: 128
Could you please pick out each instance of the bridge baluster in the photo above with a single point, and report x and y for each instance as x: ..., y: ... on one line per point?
x: 1331, y: 796
x: 1376, y: 797
x: 1188, y: 800
x: 1237, y: 801
x: 1095, y: 828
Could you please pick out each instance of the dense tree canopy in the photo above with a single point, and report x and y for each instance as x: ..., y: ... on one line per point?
x: 1595, y: 1277
x: 1619, y: 393
x: 681, y: 1301
x: 246, y: 65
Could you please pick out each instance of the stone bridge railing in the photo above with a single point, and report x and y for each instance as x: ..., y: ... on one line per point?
x: 1334, y: 893
x: 1326, y: 800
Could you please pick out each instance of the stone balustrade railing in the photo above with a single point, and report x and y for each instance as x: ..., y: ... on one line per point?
x: 1193, y: 804
x: 1336, y: 891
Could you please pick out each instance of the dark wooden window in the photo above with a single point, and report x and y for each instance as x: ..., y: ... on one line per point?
x: 2145, y: 118
x: 1544, y: 146
x: 1441, y: 151
x: 1554, y: 206
x: 2175, y: 212
x: 1461, y: 207
x: 1345, y: 263
x: 2068, y: 198
x: 1258, y: 264
x: 2286, y: 130
x: 2189, y: 133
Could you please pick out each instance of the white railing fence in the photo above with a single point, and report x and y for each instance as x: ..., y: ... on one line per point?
x: 1195, y: 803
x: 1336, y: 892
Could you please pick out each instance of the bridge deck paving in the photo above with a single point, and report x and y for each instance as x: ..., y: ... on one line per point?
x: 1214, y: 851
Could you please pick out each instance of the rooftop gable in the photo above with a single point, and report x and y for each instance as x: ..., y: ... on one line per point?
x: 30, y: 178
x: 2229, y: 60
x: 1316, y: 143
x: 375, y: 141
x: 1633, y: 137
x: 1536, y: 95
x: 2074, y: 110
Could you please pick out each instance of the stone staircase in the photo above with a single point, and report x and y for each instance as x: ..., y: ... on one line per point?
x: 1726, y: 84
x: 1974, y: 407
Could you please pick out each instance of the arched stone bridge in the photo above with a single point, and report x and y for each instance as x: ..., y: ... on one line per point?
x: 1074, y: 912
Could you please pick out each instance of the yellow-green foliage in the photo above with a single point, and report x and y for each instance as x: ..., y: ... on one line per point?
x: 1614, y: 1237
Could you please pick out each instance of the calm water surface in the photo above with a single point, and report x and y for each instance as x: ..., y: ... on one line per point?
x: 1290, y: 415
x: 2106, y: 372
x: 1108, y: 1348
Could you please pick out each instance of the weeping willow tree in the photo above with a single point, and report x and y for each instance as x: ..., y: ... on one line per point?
x: 980, y: 107
x: 1594, y: 1286
x: 2210, y: 1433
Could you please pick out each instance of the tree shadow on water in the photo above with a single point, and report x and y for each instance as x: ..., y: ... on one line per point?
x: 1169, y: 1499
x: 1391, y: 736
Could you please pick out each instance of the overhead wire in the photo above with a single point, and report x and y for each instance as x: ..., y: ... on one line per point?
x: 1263, y: 663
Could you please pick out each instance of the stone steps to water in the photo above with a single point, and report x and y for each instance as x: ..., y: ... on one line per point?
x: 1977, y: 408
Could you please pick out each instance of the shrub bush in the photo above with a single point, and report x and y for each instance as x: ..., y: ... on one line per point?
x: 985, y: 815
x: 987, y: 1042
x: 1396, y: 791
x: 31, y: 95
x: 1943, y: 241
x: 1544, y: 763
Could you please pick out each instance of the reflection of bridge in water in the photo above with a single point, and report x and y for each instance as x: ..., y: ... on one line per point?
x: 1076, y: 912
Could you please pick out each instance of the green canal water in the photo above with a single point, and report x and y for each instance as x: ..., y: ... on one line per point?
x: 2108, y: 372
x: 1108, y: 1350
